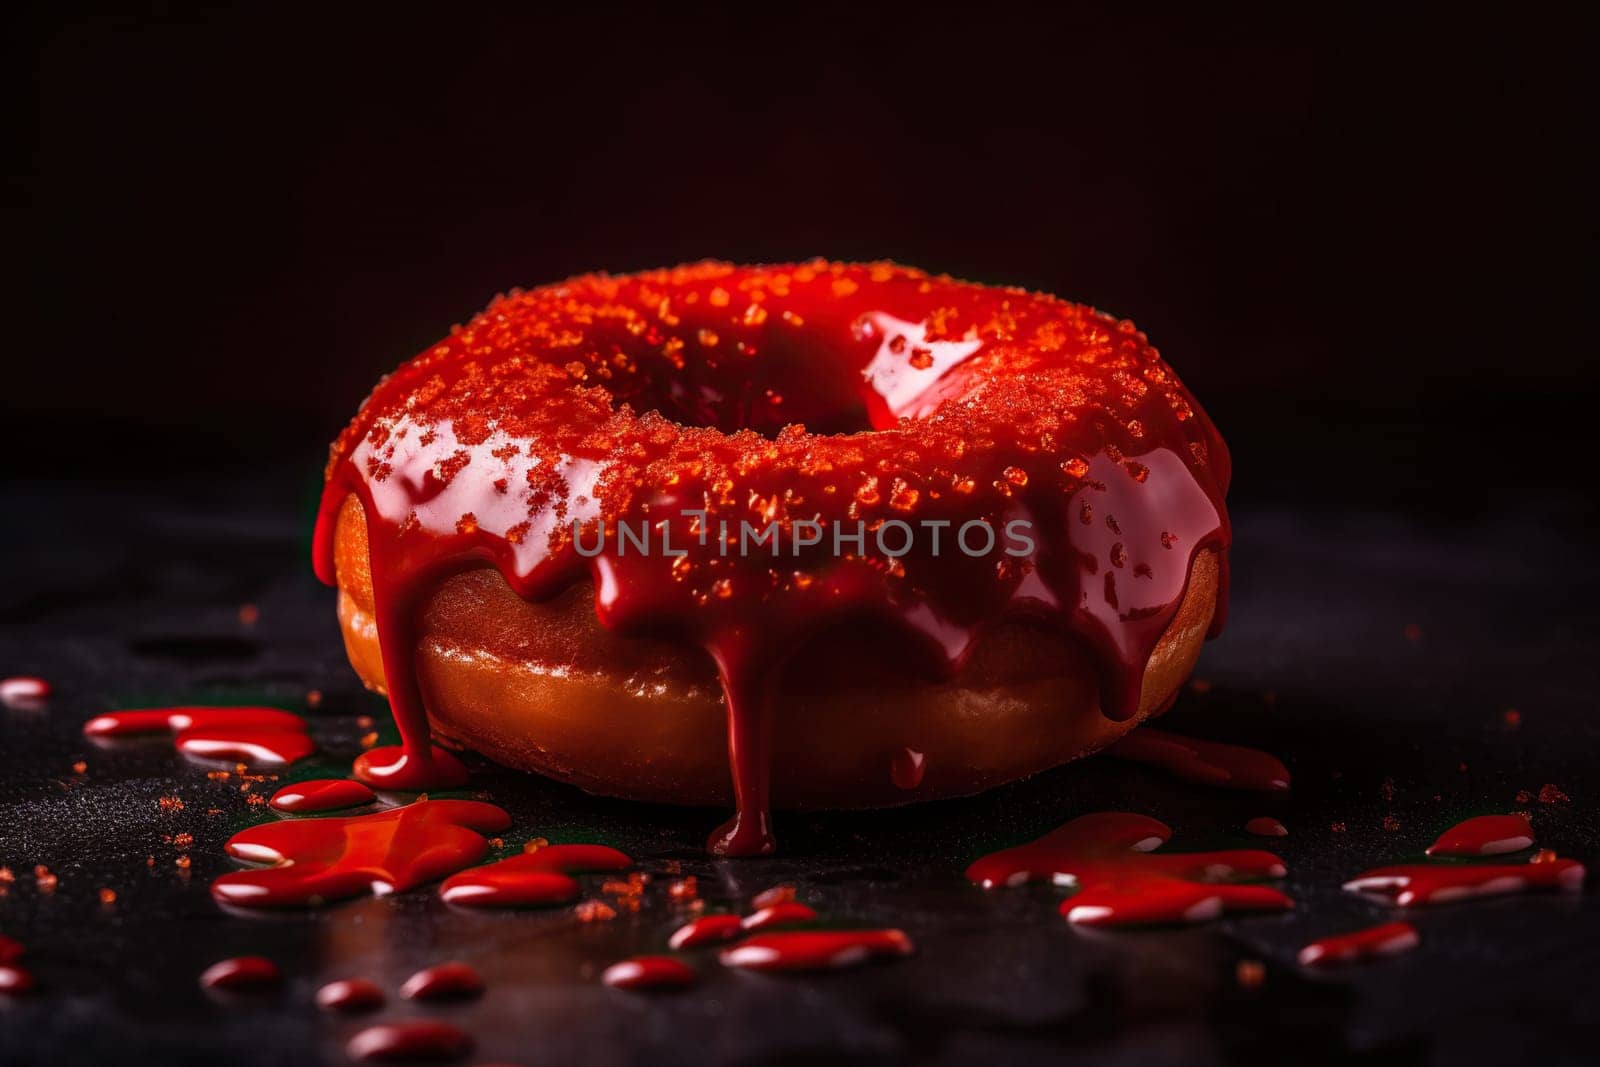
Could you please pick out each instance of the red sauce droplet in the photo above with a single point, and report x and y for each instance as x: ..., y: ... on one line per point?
x: 706, y: 930
x: 320, y: 860
x: 446, y: 981
x: 1486, y: 835
x: 787, y: 913
x: 242, y: 973
x: 534, y: 879
x: 1266, y: 826
x: 906, y: 768
x: 24, y: 691
x: 393, y: 767
x: 507, y: 402
x: 774, y: 895
x: 245, y: 735
x: 1203, y: 762
x: 1387, y: 939
x: 322, y: 794
x: 15, y: 981
x: 815, y: 950
x: 350, y: 995
x: 649, y: 972
x: 1417, y: 884
x: 1106, y: 856
x: 428, y: 1041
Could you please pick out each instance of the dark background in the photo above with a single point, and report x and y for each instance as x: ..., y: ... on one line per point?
x: 1358, y: 240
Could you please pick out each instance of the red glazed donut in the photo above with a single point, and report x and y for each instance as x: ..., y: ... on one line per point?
x: 846, y: 534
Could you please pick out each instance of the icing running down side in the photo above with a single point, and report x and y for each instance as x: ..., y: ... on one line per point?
x: 691, y: 401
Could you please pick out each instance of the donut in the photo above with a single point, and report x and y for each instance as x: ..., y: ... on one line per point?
x: 813, y: 535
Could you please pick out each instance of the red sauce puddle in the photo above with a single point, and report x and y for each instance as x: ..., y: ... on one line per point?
x: 453, y: 475
x: 1107, y: 857
x: 322, y: 794
x: 815, y: 950
x: 242, y: 973
x: 1387, y: 939
x: 243, y: 735
x: 445, y: 981
x: 540, y: 878
x: 1203, y: 762
x: 787, y: 913
x: 15, y: 981
x: 1486, y: 835
x: 427, y: 1041
x: 706, y: 930
x: 320, y: 860
x: 350, y: 995
x: 649, y: 972
x: 24, y: 692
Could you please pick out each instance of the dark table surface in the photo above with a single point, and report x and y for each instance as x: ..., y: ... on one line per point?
x: 1376, y: 654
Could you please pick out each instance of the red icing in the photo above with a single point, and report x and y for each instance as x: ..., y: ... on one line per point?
x: 242, y: 972
x: 318, y: 860
x: 600, y: 397
x: 350, y: 995
x: 429, y: 1041
x: 322, y: 794
x: 815, y: 950
x: 1203, y: 762
x: 706, y: 930
x: 533, y: 879
x: 1423, y: 883
x: 248, y: 735
x: 1486, y: 835
x: 446, y: 981
x: 906, y: 768
x: 649, y: 972
x: 23, y: 691
x: 787, y: 913
x: 15, y: 981
x: 1107, y: 857
x: 1266, y: 826
x: 1387, y: 939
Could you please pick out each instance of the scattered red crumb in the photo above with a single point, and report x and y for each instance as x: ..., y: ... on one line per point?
x: 149, y: 861
x: 108, y: 896
x: 79, y: 767
x: 778, y: 894
x: 370, y: 739
x: 249, y: 614
x: 1524, y: 797
x: 1390, y: 823
x: 240, y: 768
x: 1551, y: 794
x: 213, y: 811
x: 497, y: 842
x: 218, y: 776
x: 314, y: 698
x: 45, y: 879
x: 364, y: 722
x: 182, y: 863
x: 594, y: 911
x: 1337, y: 827
x: 255, y: 800
x: 1250, y: 974
x: 7, y: 876
x: 1412, y: 631
x: 169, y: 804
x: 183, y: 840
x: 1544, y: 855
x: 534, y: 844
x: 683, y: 889
x: 1512, y: 718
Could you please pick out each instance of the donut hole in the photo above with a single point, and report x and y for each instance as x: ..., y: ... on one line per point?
x: 781, y: 383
